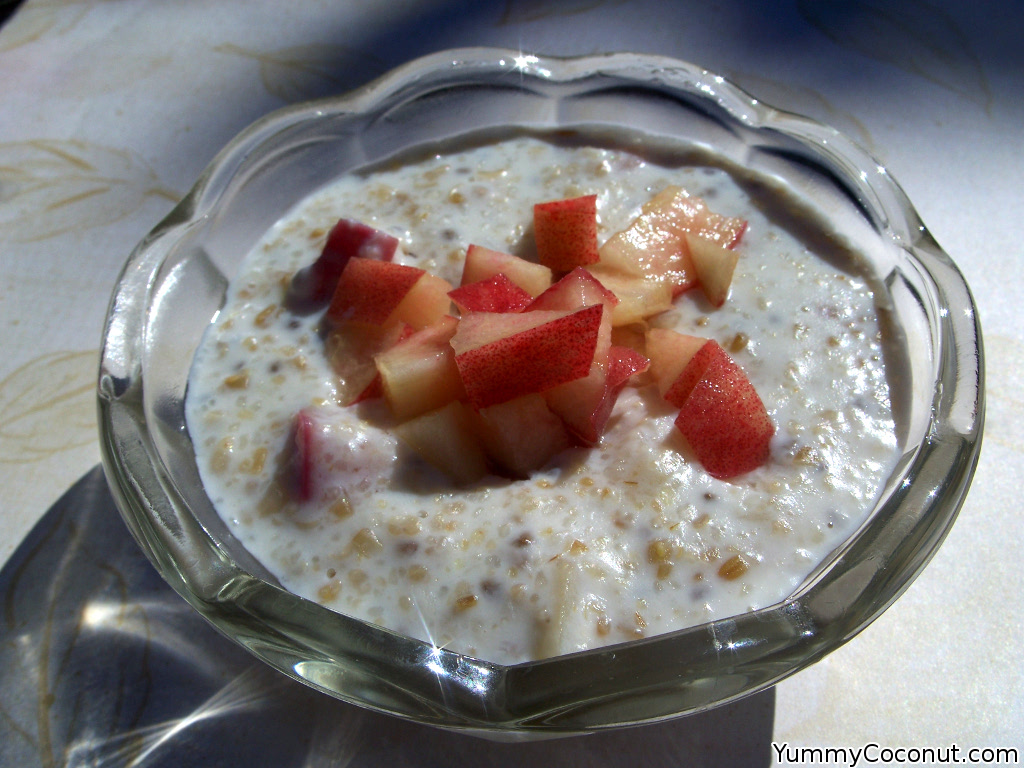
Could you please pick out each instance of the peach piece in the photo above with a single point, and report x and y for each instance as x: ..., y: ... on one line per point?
x: 653, y: 246
x: 580, y: 289
x: 447, y: 439
x: 482, y: 263
x: 502, y: 356
x: 313, y: 286
x: 303, y: 456
x: 369, y: 291
x: 638, y: 297
x: 418, y: 374
x: 669, y: 352
x: 578, y: 400
x: 521, y: 435
x: 493, y: 294
x: 425, y: 303
x: 715, y: 265
x: 587, y: 408
x: 351, y: 347
x: 566, y: 232
x: 721, y: 415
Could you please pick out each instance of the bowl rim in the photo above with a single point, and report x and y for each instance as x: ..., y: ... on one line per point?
x: 560, y: 695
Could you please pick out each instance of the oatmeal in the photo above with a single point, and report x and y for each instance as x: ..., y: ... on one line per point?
x: 625, y: 539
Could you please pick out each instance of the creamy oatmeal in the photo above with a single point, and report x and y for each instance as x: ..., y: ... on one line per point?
x: 628, y: 539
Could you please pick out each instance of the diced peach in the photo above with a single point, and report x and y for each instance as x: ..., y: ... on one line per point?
x: 351, y: 348
x: 638, y: 297
x: 418, y: 374
x: 721, y: 415
x: 578, y: 288
x: 369, y: 291
x: 586, y: 404
x: 425, y: 303
x: 670, y: 352
x: 521, y: 435
x: 715, y: 265
x: 447, y: 439
x: 566, y: 232
x: 502, y: 356
x: 576, y: 401
x: 653, y: 246
x: 482, y: 263
x: 314, y: 285
x: 492, y: 294
x: 303, y: 456
x: 682, y: 212
x: 623, y: 364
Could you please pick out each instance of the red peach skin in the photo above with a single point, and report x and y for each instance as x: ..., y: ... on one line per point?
x: 721, y: 416
x: 566, y: 232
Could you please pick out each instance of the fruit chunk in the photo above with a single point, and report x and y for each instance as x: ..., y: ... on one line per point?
x: 670, y: 351
x: 714, y: 265
x: 653, y: 246
x: 314, y: 285
x: 447, y: 438
x: 303, y: 458
x: 493, y: 294
x: 418, y: 374
x: 721, y: 415
x: 384, y: 293
x: 502, y: 356
x: 586, y: 409
x: 522, y: 434
x: 566, y: 232
x: 579, y: 288
x: 370, y: 291
x: 638, y: 298
x: 482, y: 263
x: 351, y: 347
x: 577, y: 401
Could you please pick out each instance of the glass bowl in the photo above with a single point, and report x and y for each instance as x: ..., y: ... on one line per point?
x: 174, y: 283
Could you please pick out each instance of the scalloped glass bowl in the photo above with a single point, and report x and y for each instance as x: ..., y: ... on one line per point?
x: 174, y: 283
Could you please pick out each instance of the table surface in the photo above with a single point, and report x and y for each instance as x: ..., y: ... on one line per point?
x: 110, y: 110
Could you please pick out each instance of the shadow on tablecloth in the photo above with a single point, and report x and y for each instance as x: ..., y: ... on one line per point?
x: 103, y: 664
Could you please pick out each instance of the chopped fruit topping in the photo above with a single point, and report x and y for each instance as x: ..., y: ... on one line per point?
x: 493, y: 294
x: 669, y: 352
x: 503, y: 356
x: 384, y: 293
x: 721, y: 415
x: 313, y: 286
x: 566, y: 232
x: 522, y: 434
x: 580, y: 402
x: 586, y: 410
x: 351, y: 348
x: 654, y: 246
x: 714, y: 265
x: 531, y: 367
x: 418, y: 374
x: 370, y: 291
x: 638, y: 297
x: 579, y: 288
x: 447, y: 438
x: 482, y: 263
